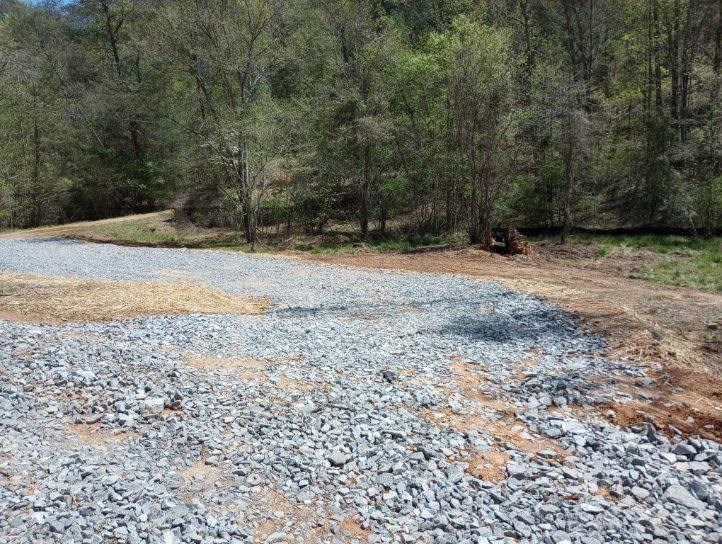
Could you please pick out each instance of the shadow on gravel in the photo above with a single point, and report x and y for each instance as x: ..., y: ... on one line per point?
x: 532, y: 326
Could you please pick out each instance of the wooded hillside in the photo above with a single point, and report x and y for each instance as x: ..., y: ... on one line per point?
x: 452, y: 115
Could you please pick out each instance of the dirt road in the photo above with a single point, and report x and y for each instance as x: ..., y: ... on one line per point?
x: 68, y: 229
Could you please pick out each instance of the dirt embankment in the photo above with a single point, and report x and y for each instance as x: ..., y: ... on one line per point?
x: 79, y: 229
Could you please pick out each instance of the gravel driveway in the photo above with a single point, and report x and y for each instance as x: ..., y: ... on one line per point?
x: 363, y: 406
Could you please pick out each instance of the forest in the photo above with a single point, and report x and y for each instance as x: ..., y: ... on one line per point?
x: 443, y: 116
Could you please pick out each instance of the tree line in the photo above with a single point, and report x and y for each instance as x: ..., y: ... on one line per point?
x: 442, y: 116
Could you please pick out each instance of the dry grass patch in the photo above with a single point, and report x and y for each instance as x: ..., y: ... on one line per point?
x: 227, y: 364
x: 36, y: 298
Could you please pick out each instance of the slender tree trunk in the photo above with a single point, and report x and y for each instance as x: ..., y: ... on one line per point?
x: 657, y: 60
x: 37, y: 189
x: 674, y: 64
x: 383, y: 217
x: 111, y: 29
x: 365, y: 190
x: 243, y: 191
x: 717, y: 59
x: 569, y: 179
x: 450, y: 206
x: 475, y: 219
x: 717, y: 71
x: 480, y: 225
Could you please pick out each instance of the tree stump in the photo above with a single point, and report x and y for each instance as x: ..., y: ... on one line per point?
x: 515, y: 243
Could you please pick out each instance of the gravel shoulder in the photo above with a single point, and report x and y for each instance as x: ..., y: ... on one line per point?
x: 361, y: 406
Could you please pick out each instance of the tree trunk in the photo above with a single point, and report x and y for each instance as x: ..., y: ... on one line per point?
x: 383, y: 216
x: 365, y: 190
x: 475, y: 219
x: 480, y: 225
x: 657, y: 59
x: 717, y: 59
x: 37, y: 189
x: 673, y: 57
x: 244, y: 192
x: 450, y: 206
x: 112, y: 33
x: 569, y: 174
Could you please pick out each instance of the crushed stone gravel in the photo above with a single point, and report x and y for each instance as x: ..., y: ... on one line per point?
x: 356, y: 422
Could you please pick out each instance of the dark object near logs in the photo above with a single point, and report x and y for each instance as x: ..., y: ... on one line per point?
x: 515, y: 243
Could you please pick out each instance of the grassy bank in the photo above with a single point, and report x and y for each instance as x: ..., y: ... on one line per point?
x: 672, y: 260
x: 156, y: 233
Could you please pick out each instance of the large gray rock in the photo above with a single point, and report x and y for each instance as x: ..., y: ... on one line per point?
x: 680, y: 496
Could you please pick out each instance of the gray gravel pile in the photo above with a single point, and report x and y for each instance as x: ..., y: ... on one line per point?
x: 350, y: 412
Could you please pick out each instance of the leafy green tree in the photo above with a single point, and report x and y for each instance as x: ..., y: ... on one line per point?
x: 479, y: 77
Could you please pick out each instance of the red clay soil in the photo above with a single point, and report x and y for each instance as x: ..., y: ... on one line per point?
x: 642, y: 322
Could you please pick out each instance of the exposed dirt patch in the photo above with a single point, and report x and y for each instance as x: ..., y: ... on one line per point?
x: 680, y: 402
x: 311, y: 522
x: 157, y: 229
x: 93, y: 435
x: 289, y: 383
x: 512, y: 433
x: 71, y: 228
x: 202, y: 476
x: 487, y: 465
x: 685, y: 419
x: 468, y: 382
x: 12, y: 478
x: 35, y: 298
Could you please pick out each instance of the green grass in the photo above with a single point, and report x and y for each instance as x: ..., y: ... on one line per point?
x: 660, y: 243
x: 140, y: 232
x: 689, y: 262
x: 383, y: 245
x: 151, y: 233
x: 699, y: 269
x: 602, y: 251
